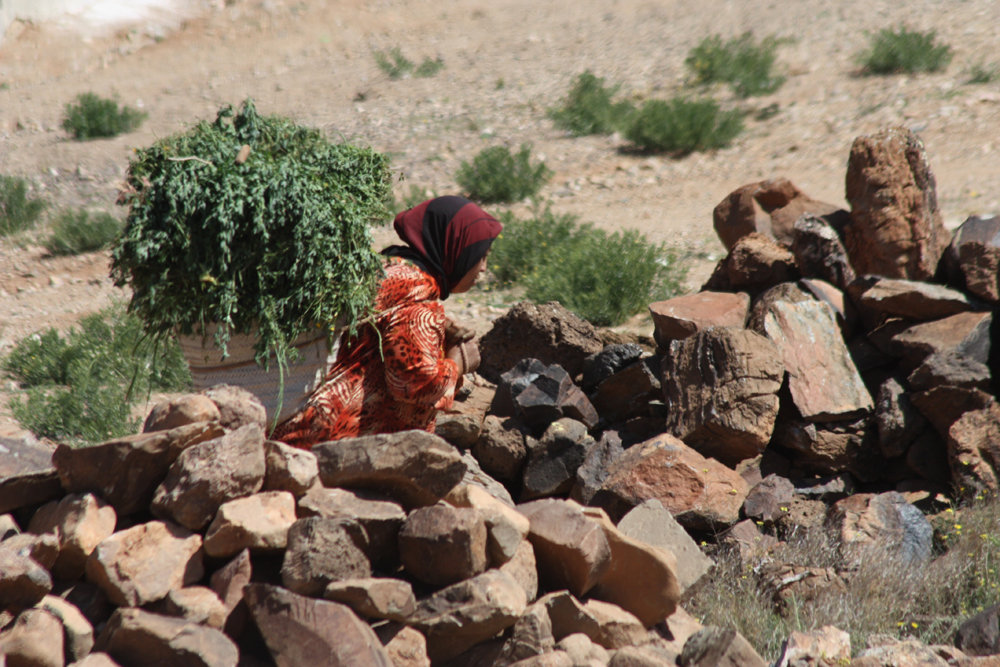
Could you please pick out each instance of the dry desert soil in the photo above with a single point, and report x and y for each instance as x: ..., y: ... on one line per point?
x: 506, y: 62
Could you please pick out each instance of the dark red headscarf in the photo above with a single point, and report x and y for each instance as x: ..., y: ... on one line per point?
x: 446, y: 237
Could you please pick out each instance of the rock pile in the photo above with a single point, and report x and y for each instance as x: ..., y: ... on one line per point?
x: 834, y: 374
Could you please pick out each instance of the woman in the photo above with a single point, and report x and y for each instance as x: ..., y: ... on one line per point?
x: 397, y: 374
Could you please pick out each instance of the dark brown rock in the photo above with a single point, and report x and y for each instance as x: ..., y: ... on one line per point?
x: 571, y: 550
x: 80, y: 522
x: 460, y: 616
x: 627, y: 393
x: 208, y: 474
x: 686, y: 315
x: 880, y: 298
x: 896, y: 229
x: 652, y: 523
x: 321, y: 550
x: 23, y: 581
x: 390, y: 599
x: 611, y: 359
x: 538, y: 394
x: 980, y: 634
x: 972, y: 260
x: 126, y: 471
x: 288, y: 468
x: 973, y: 443
x: 416, y: 467
x: 34, y: 639
x: 823, y: 381
x: 754, y: 264
x: 441, y: 544
x: 380, y: 517
x: 548, y: 332
x: 700, y: 492
x: 237, y: 407
x: 137, y: 637
x: 554, y: 459
x: 181, y: 411
x: 604, y: 623
x: 501, y: 449
x: 721, y: 389
x: 766, y: 499
x: 819, y: 251
x: 302, y: 630
x: 27, y: 473
x: 141, y: 564
x: 719, y: 646
x: 964, y: 334
x: 884, y: 523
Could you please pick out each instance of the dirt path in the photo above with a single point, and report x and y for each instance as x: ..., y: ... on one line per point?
x: 505, y: 63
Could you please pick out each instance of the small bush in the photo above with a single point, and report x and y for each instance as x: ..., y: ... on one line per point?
x: 79, y: 231
x: 903, y: 50
x: 683, y: 126
x: 589, y: 108
x: 92, y: 117
x: 18, y: 211
x: 398, y: 66
x: 497, y: 175
x: 80, y: 388
x: 882, y: 596
x: 746, y: 65
x: 604, y: 278
x: 983, y: 73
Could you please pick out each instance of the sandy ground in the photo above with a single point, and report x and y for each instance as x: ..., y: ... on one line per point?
x: 505, y: 63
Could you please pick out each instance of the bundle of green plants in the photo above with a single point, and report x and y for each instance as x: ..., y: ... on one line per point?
x: 682, y: 126
x: 603, y: 277
x: 984, y: 73
x: 92, y: 117
x: 496, y: 175
x: 742, y: 62
x: 81, y: 387
x: 882, y: 595
x: 18, y: 210
x: 255, y: 224
x: 901, y: 50
x: 589, y: 108
x: 397, y: 66
x: 76, y: 231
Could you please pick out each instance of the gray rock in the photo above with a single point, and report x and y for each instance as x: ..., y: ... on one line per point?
x: 321, y: 550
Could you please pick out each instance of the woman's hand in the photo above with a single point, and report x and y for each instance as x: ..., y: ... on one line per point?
x: 465, y: 355
x: 455, y: 333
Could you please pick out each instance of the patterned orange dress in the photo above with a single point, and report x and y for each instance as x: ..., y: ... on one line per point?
x: 390, y: 377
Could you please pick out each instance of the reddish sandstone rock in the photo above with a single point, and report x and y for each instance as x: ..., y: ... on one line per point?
x: 896, y: 229
x: 700, y: 492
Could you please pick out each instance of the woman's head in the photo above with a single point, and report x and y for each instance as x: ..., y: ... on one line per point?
x: 449, y: 237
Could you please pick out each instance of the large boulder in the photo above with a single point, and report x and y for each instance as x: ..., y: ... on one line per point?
x: 896, y: 229
x: 548, y: 332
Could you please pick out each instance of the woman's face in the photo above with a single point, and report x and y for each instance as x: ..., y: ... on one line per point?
x: 469, y: 279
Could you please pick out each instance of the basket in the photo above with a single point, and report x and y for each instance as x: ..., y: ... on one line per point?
x: 281, y: 394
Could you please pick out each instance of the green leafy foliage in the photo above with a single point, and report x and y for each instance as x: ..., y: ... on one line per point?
x: 398, y: 66
x: 603, y: 277
x: 18, y: 211
x: 682, y: 126
x: 92, y: 117
x: 901, y: 50
x: 497, y: 175
x: 253, y: 223
x: 78, y: 231
x: 81, y: 387
x: 742, y: 62
x: 589, y: 108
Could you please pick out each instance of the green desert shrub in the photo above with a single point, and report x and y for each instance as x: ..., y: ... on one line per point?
x: 683, y: 126
x: 78, y: 231
x: 901, y: 50
x: 18, y: 210
x: 397, y: 66
x: 881, y: 596
x: 589, y: 108
x: 747, y: 65
x: 603, y: 277
x: 497, y: 175
x: 92, y: 117
x: 80, y: 387
x: 983, y: 73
